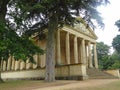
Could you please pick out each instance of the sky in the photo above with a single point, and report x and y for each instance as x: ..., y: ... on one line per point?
x: 110, y: 14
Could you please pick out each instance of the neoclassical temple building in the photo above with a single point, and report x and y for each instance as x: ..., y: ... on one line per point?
x: 75, y: 52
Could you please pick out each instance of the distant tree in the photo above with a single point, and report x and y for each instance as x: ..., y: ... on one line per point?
x: 116, y: 43
x: 103, y: 55
x: 105, y: 60
x: 117, y: 23
x: 115, y: 60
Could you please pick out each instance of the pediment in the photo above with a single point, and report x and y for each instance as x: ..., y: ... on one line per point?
x: 83, y: 28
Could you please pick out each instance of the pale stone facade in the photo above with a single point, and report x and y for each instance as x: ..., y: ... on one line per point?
x: 72, y: 57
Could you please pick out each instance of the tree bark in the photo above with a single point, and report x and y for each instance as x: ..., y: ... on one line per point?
x: 50, y: 54
x: 3, y: 10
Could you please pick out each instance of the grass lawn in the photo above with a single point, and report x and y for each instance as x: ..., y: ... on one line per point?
x: 31, y: 85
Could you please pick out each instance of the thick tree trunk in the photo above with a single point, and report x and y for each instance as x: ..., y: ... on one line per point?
x: 50, y: 54
x: 3, y: 10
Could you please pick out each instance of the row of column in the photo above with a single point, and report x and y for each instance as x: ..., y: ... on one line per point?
x: 79, y: 51
x: 12, y: 64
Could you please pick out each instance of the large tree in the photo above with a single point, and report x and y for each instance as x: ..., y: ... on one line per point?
x: 31, y: 16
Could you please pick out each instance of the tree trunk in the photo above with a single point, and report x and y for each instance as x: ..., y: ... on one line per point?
x: 3, y: 10
x: 50, y: 54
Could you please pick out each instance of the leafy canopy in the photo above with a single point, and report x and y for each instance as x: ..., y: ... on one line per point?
x: 31, y: 16
x: 116, y: 43
x: 103, y: 55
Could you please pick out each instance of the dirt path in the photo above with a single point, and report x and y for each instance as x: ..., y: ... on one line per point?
x: 62, y: 85
x: 57, y: 85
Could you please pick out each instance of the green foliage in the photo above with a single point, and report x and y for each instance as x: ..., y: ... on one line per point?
x: 116, y: 43
x: 102, y: 49
x: 19, y: 47
x: 116, y: 65
x: 117, y: 23
x: 103, y: 55
x: 26, y: 12
x: 115, y: 58
x: 107, y: 61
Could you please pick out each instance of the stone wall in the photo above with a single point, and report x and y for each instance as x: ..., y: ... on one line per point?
x: 114, y: 72
x: 76, y: 71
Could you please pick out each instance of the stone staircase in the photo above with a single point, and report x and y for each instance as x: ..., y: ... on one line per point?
x: 98, y: 74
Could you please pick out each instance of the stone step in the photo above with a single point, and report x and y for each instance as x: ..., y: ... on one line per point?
x: 98, y: 74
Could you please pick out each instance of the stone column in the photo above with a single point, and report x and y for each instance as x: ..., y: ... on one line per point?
x: 42, y: 58
x: 83, y: 61
x: 22, y: 65
x: 95, y: 56
x: 39, y: 55
x: 90, y: 56
x: 67, y: 48
x: 75, y: 50
x: 13, y: 63
x: 86, y: 53
x: 36, y: 61
x: 9, y: 63
x: 17, y: 65
x: 1, y: 65
x: 39, y: 61
x: 58, y: 48
x: 29, y: 65
x: 79, y: 52
x: 4, y: 65
x: 83, y: 53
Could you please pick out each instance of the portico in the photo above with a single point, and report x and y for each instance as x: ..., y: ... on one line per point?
x: 73, y: 54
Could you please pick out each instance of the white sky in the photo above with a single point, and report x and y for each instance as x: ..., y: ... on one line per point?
x: 110, y: 13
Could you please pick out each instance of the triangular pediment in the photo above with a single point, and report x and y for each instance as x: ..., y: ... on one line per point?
x: 83, y: 28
